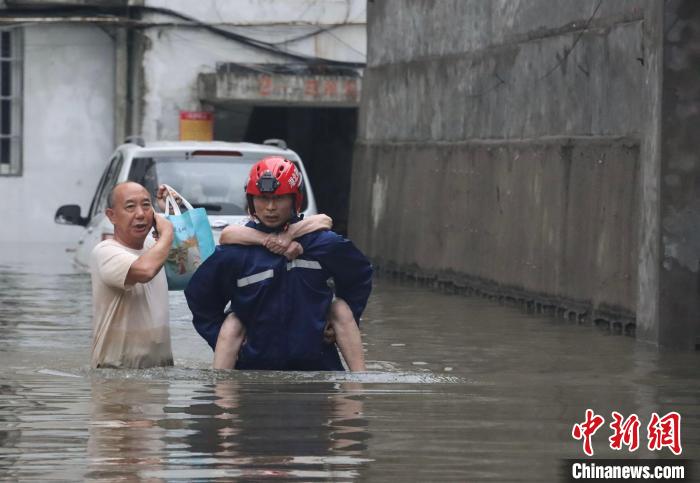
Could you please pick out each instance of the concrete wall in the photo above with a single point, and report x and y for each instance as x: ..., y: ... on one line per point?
x: 174, y: 57
x: 670, y: 255
x: 67, y: 129
x: 500, y: 146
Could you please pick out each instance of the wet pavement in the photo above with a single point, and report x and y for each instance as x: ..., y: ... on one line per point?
x: 459, y: 389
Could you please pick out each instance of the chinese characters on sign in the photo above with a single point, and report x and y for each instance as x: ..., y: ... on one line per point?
x: 662, y: 432
x: 328, y: 89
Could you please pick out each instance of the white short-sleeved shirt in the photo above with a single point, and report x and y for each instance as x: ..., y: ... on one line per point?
x: 130, y: 322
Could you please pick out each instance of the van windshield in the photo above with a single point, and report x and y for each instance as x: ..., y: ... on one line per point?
x: 215, y: 183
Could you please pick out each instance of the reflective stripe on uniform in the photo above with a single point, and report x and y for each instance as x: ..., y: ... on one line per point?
x: 255, y: 278
x: 303, y: 264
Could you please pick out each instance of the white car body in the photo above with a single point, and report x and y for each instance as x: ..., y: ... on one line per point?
x: 220, y: 165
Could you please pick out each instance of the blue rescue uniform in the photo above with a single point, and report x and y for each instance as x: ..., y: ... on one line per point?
x: 283, y: 305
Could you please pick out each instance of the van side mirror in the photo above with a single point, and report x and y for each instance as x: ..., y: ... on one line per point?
x: 70, y: 215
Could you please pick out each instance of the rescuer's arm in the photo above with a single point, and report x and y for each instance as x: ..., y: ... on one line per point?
x: 351, y: 270
x: 352, y: 274
x: 207, y: 295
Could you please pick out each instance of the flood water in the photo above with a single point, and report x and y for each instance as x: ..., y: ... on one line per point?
x: 459, y: 389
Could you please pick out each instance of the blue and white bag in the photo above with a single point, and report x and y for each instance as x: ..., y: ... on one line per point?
x: 193, y: 241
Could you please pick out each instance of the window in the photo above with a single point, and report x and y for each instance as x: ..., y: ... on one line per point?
x: 212, y: 182
x: 215, y: 183
x: 10, y: 102
x: 108, y: 181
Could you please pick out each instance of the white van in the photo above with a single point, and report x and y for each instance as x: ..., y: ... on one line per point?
x: 210, y: 175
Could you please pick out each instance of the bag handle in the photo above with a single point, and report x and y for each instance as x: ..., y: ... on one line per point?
x: 171, y: 203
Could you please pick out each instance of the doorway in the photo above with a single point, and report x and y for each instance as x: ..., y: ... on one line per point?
x: 322, y: 136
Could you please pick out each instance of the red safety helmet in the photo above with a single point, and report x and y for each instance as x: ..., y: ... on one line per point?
x: 274, y: 175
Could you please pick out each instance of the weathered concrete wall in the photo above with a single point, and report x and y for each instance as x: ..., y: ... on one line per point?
x: 650, y: 170
x: 500, y: 145
x: 548, y: 218
x: 677, y: 294
x: 514, y: 84
x: 67, y: 129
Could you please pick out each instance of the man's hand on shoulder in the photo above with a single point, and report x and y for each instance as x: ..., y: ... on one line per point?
x: 294, y: 251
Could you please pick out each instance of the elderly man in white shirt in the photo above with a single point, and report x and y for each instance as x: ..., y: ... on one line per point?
x: 129, y: 289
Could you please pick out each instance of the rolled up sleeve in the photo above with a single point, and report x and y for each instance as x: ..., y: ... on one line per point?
x: 111, y: 264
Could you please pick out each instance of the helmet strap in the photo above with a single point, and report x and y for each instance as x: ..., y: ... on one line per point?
x: 251, y: 206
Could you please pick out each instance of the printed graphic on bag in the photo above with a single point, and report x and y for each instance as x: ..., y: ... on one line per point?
x: 192, y: 244
x: 186, y: 257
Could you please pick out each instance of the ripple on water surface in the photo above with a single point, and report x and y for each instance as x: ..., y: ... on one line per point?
x: 459, y: 389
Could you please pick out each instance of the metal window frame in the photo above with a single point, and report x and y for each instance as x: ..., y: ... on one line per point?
x: 16, y: 165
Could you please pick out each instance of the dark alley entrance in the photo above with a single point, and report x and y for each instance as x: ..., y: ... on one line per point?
x: 322, y: 136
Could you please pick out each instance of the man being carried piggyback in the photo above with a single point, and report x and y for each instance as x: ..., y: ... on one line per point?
x: 281, y: 306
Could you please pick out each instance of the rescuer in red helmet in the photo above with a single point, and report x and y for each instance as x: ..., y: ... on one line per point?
x: 284, y: 305
x: 272, y: 178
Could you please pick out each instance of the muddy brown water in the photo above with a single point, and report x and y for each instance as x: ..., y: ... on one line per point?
x: 459, y: 389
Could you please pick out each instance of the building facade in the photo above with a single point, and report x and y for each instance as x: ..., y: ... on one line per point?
x: 79, y: 76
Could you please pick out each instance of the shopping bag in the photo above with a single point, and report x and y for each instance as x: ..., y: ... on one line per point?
x: 193, y: 241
